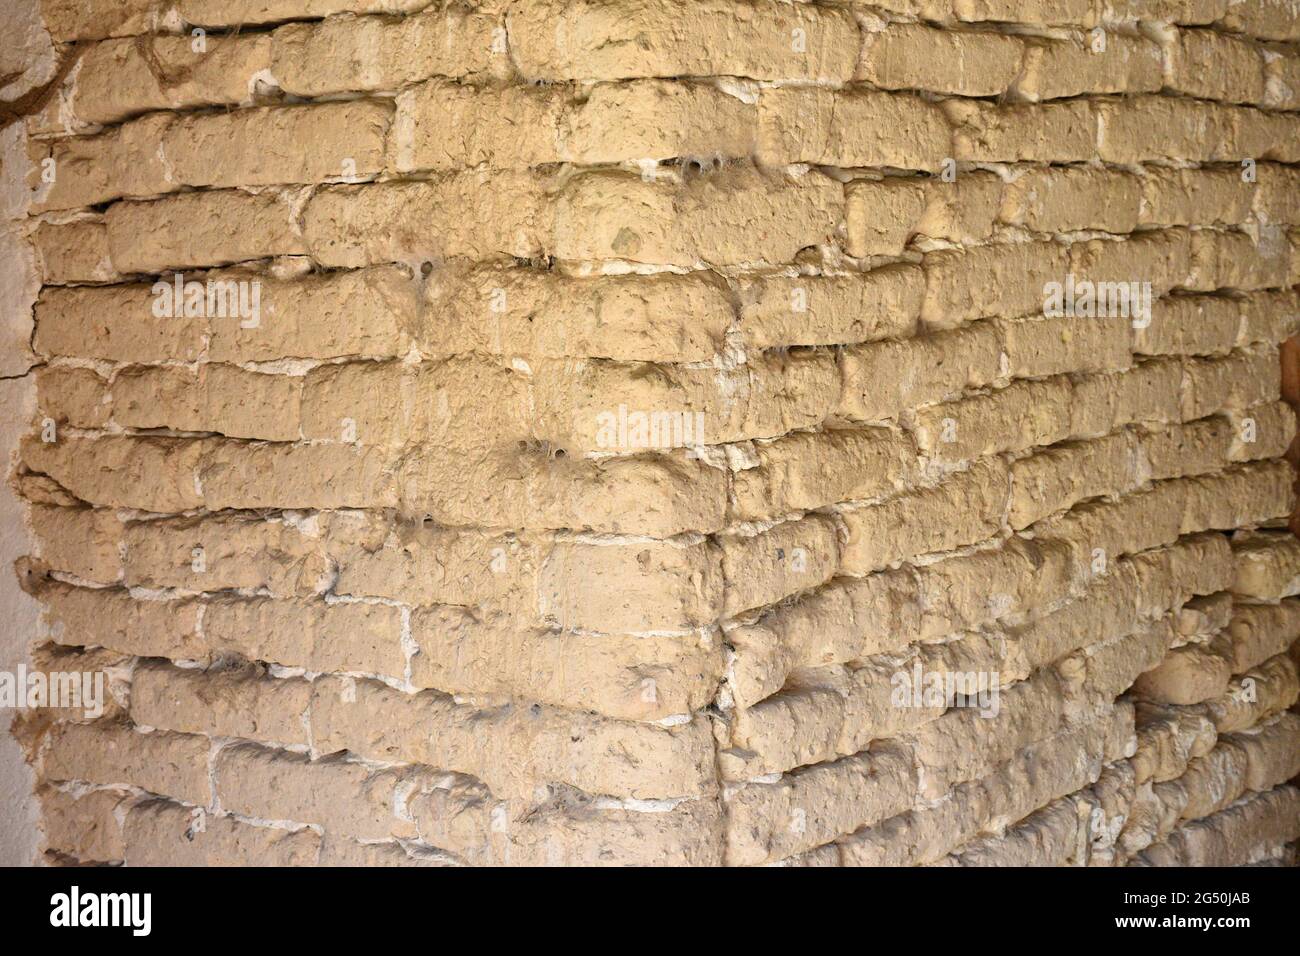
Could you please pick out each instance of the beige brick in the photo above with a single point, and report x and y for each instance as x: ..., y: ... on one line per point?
x: 1051, y: 836
x: 1196, y: 12
x: 445, y: 126
x: 1228, y: 838
x: 150, y: 474
x: 214, y: 398
x: 111, y: 618
x: 366, y: 313
x: 1238, y: 380
x: 217, y: 228
x: 965, y: 508
x: 508, y: 311
x: 1212, y: 66
x: 294, y: 476
x: 1236, y: 260
x: 1271, y: 756
x: 314, y: 635
x: 1003, y: 279
x: 805, y: 470
x: 1264, y: 431
x: 371, y: 53
x: 418, y: 563
x: 1190, y: 325
x: 804, y: 809
x: 85, y: 826
x: 88, y: 170
x: 115, y: 80
x: 1272, y: 689
x: 115, y: 323
x: 343, y: 797
x: 964, y: 591
x: 1162, y: 258
x: 1200, y: 447
x: 884, y: 379
x: 656, y: 495
x: 916, y: 57
x: 831, y: 310
x: 401, y: 221
x: 239, y: 12
x: 844, y: 621
x: 1268, y: 19
x: 827, y: 127
x: 224, y: 553
x: 1136, y: 129
x: 1016, y: 418
x: 73, y: 252
x: 576, y: 830
x: 1281, y: 79
x: 161, y: 833
x: 765, y: 568
x: 262, y: 147
x: 370, y: 404
x: 1035, y: 775
x: 1060, y: 477
x: 513, y: 749
x: 459, y: 813
x: 349, y: 853
x: 1178, y: 197
x: 1274, y: 196
x: 1050, y: 133
x: 66, y: 671
x: 72, y: 396
x: 962, y: 745
x: 167, y: 764
x: 1259, y: 632
x: 637, y: 587
x: 85, y: 542
x: 1188, y: 675
x: 649, y: 677
x: 1269, y: 317
x: 222, y: 703
x: 882, y: 215
x: 1264, y: 134
x: 964, y: 210
x: 82, y: 20
x: 1079, y: 64
x: 1035, y: 348
x: 720, y: 218
x: 582, y: 405
x: 1268, y: 564
x: 1067, y: 199
x: 1213, y: 502
x: 1066, y: 13
x: 604, y: 41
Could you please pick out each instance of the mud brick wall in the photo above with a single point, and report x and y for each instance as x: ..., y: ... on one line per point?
x: 608, y: 407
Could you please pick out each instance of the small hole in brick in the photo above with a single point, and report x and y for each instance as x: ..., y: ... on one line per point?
x: 426, y: 268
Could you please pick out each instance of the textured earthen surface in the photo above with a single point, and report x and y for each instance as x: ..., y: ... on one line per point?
x: 540, y: 432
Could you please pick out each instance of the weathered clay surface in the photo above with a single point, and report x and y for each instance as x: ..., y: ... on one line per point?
x: 539, y: 432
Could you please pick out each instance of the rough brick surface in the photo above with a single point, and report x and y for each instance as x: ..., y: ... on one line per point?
x: 683, y: 432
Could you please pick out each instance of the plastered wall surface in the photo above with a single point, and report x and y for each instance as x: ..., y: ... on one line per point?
x: 657, y: 432
x: 27, y: 63
x: 18, y: 812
